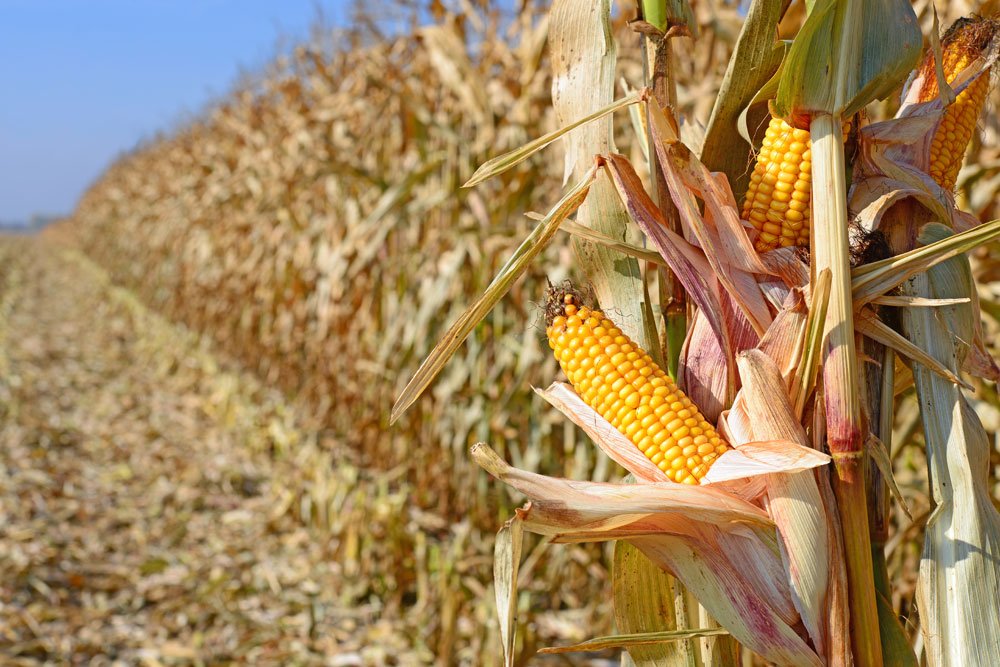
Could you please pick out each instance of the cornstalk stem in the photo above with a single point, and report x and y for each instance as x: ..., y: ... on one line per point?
x: 830, y: 250
x: 658, y: 64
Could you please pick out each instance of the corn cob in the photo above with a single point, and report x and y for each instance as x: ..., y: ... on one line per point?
x: 961, y: 45
x: 777, y: 201
x: 620, y: 381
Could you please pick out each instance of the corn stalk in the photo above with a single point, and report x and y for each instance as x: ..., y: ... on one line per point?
x: 843, y: 57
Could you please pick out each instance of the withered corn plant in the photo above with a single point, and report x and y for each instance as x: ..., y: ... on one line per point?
x: 757, y: 448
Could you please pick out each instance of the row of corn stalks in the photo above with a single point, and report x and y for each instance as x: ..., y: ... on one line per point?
x: 745, y: 359
x: 313, y: 226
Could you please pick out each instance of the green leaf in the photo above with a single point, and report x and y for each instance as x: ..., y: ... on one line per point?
x: 753, y: 62
x: 896, y: 650
x: 848, y: 53
x: 663, y: 13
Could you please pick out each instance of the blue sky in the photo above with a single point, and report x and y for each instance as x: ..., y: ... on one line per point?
x: 82, y: 80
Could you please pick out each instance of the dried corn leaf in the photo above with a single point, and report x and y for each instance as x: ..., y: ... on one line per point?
x: 511, y: 271
x: 506, y: 559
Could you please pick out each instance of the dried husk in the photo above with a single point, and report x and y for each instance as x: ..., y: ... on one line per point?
x: 794, y: 500
x: 721, y: 548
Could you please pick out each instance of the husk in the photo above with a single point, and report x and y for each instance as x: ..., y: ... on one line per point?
x: 848, y: 53
x: 794, y: 503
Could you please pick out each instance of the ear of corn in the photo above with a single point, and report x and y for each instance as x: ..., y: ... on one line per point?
x: 963, y: 44
x: 620, y: 381
x: 777, y: 200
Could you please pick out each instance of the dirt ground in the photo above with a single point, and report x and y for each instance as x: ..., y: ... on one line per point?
x: 148, y: 509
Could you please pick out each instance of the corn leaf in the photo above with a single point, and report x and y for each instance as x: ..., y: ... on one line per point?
x: 753, y: 62
x: 629, y: 249
x: 807, y: 370
x: 880, y: 455
x: 510, y: 272
x: 896, y: 649
x: 637, y: 639
x: 882, y: 333
x: 644, y: 606
x: 959, y: 582
x: 506, y: 559
x: 502, y: 163
x: 848, y: 53
x: 875, y: 279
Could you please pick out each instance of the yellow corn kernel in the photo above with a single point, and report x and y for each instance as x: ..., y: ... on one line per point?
x: 781, y: 178
x: 960, y: 46
x: 649, y: 409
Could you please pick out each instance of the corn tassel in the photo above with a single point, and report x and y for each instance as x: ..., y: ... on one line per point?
x: 619, y: 380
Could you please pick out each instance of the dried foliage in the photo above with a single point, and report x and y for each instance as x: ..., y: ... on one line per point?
x: 311, y: 227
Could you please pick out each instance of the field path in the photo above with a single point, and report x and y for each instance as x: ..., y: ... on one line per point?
x: 151, y: 511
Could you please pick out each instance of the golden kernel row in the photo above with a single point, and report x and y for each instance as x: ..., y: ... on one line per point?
x: 621, y: 382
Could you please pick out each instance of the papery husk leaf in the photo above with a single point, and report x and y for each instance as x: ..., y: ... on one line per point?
x: 783, y: 340
x: 889, y: 169
x: 580, y: 505
x: 763, y: 457
x: 790, y: 272
x: 720, y: 232
x: 848, y: 53
x: 795, y: 503
x: 702, y: 357
x: 506, y: 559
x: 731, y: 566
x: 611, y: 441
x: 721, y: 586
x: 583, y: 58
x: 959, y: 583
x: 788, y: 265
x: 688, y: 263
x: 510, y: 272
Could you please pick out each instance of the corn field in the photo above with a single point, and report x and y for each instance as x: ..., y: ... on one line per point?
x: 271, y: 276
